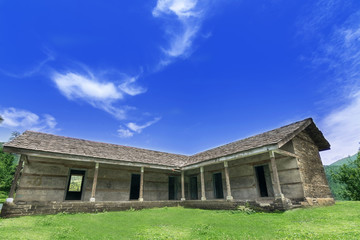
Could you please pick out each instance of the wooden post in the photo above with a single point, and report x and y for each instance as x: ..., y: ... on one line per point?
x: 227, y: 179
x: 93, y: 191
x: 141, y: 193
x: 10, y: 199
x: 203, y: 197
x: 182, y: 186
x: 277, y: 187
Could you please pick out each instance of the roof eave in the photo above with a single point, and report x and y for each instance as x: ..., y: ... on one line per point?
x: 89, y: 159
x: 235, y: 156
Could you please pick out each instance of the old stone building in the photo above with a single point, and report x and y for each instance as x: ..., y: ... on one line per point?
x: 278, y: 169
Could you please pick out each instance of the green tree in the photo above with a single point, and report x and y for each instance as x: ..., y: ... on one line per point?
x: 349, y: 176
x: 7, y: 170
x: 14, y: 135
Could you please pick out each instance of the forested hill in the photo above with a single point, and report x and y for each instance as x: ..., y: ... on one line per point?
x: 336, y: 187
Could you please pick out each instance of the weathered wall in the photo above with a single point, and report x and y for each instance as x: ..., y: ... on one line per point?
x: 47, y: 180
x: 311, y: 167
x: 113, y: 183
x: 44, y: 180
x: 289, y: 177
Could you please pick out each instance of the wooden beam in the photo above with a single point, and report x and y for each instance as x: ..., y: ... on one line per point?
x: 182, y: 186
x: 93, y: 191
x: 10, y: 199
x: 277, y: 187
x: 227, y: 179
x: 203, y: 197
x: 285, y: 153
x: 141, y: 193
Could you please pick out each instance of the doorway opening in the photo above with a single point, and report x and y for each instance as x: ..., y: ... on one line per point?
x: 264, y: 181
x: 193, y: 188
x: 75, y: 185
x: 135, y: 187
x: 218, y: 187
x: 173, y: 187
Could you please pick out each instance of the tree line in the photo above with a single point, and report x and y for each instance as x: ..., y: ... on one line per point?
x: 348, y: 178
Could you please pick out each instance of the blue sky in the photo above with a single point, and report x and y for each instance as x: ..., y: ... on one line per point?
x: 180, y: 76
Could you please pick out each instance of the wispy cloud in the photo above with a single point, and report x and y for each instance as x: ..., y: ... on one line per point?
x: 131, y: 128
x: 34, y: 70
x: 183, y: 19
x: 342, y: 128
x: 98, y: 91
x: 340, y: 56
x: 20, y: 120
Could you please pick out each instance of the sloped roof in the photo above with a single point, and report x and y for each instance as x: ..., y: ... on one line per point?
x: 49, y: 143
x: 278, y: 136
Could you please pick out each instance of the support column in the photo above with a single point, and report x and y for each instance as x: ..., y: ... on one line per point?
x: 93, y: 191
x: 182, y: 186
x: 10, y: 199
x: 203, y: 198
x: 141, y: 193
x: 277, y: 187
x: 227, y: 179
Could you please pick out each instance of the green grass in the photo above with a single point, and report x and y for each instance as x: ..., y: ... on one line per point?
x: 341, y: 221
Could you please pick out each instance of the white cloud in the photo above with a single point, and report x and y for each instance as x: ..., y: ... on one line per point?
x: 125, y: 133
x: 342, y: 129
x: 131, y: 128
x: 20, y: 120
x: 130, y: 88
x: 97, y: 90
x: 188, y: 15
x: 340, y: 54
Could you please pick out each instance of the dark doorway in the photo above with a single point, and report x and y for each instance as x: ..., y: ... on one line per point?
x: 173, y: 187
x: 218, y: 187
x: 262, y: 180
x: 193, y: 188
x: 75, y: 185
x: 135, y: 187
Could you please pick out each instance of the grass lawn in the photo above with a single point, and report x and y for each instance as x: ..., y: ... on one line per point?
x: 341, y: 221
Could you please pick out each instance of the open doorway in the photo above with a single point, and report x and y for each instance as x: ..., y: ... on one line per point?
x: 264, y: 181
x: 135, y: 187
x: 193, y: 188
x: 75, y: 185
x: 218, y: 187
x: 173, y: 187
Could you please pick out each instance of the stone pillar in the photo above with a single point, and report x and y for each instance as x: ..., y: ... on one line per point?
x: 141, y: 193
x: 203, y: 197
x: 277, y: 187
x: 182, y: 186
x: 227, y: 179
x: 10, y: 199
x: 93, y: 191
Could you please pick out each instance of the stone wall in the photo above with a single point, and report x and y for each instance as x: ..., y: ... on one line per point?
x: 47, y: 179
x: 311, y: 168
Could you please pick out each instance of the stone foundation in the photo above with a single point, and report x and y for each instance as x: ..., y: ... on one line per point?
x: 43, y: 208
